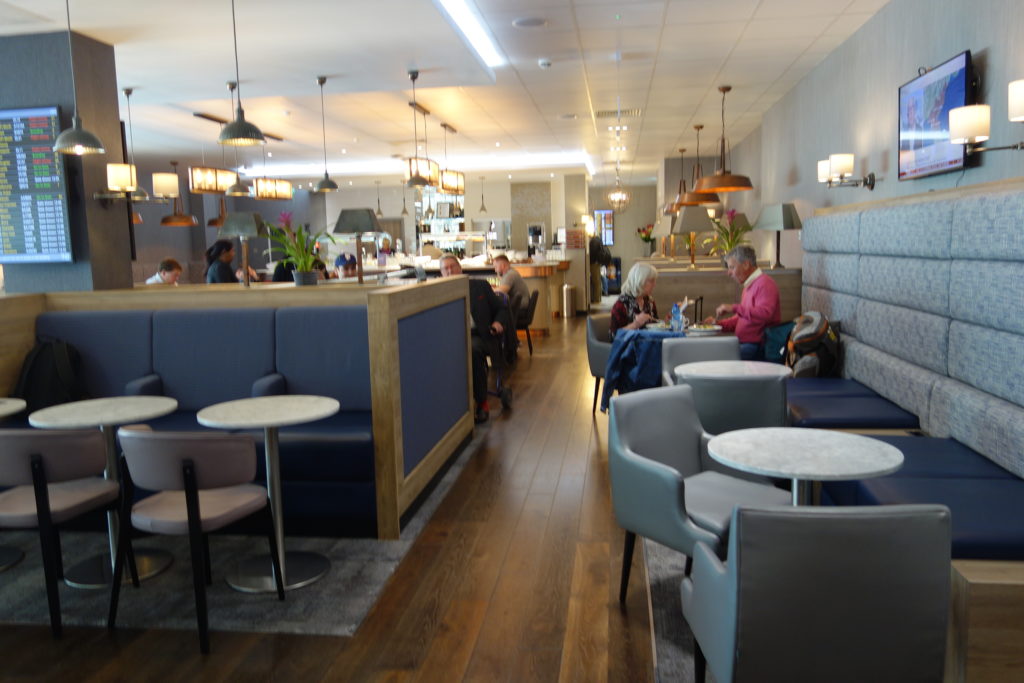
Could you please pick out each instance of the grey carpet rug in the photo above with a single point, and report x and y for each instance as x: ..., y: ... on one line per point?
x: 334, y: 605
x: 673, y: 640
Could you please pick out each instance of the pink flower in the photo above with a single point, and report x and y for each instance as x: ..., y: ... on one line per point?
x: 285, y: 218
x: 729, y: 215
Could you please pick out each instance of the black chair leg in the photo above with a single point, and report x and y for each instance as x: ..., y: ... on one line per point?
x: 206, y: 560
x: 51, y: 564
x: 124, y: 550
x: 597, y: 392
x: 197, y: 549
x: 627, y: 564
x: 689, y: 565
x: 700, y: 665
x: 272, y: 538
x: 529, y: 340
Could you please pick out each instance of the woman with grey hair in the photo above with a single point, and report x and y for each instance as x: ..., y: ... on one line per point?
x: 635, y: 307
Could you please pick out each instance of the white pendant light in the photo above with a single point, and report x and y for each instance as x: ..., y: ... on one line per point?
x: 239, y: 133
x: 325, y: 184
x: 76, y: 140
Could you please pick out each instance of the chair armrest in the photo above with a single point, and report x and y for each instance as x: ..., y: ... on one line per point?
x: 667, y: 379
x: 273, y: 384
x: 709, y: 605
x: 648, y: 498
x: 149, y: 385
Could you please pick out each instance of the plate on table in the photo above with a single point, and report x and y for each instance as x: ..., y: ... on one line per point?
x: 703, y: 330
x: 657, y: 326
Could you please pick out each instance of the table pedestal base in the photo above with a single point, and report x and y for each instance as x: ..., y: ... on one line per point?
x: 9, y: 557
x: 96, y: 571
x: 256, y: 574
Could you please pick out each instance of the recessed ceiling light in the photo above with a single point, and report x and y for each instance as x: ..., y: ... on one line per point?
x: 497, y: 144
x: 270, y: 154
x: 529, y: 22
x: 618, y: 148
x: 617, y: 128
x: 510, y: 176
x: 552, y: 175
x: 567, y: 117
x: 350, y: 183
x: 344, y: 151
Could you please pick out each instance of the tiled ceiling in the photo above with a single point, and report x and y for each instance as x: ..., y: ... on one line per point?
x: 663, y: 57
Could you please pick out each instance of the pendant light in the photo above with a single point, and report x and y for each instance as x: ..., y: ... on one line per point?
x: 483, y: 209
x: 240, y: 188
x: 75, y: 140
x: 139, y: 194
x: 405, y: 209
x: 619, y: 198
x: 694, y: 197
x: 671, y: 205
x: 178, y: 219
x: 419, y: 171
x: 452, y: 182
x: 723, y: 180
x: 378, y: 213
x: 239, y: 133
x: 325, y: 184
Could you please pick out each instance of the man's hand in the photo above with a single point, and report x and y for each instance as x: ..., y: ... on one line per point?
x: 496, y: 328
x: 723, y: 310
x: 710, y: 320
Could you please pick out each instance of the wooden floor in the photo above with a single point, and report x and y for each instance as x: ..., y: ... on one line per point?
x: 514, y: 579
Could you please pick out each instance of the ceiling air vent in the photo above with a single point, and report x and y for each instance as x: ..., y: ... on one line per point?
x: 615, y: 114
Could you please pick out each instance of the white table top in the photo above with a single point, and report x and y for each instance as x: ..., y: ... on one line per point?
x: 267, y: 411
x: 798, y: 453
x: 98, y: 412
x: 10, y: 406
x: 732, y: 368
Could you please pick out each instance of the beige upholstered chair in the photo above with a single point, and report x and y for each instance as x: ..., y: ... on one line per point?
x: 54, y: 478
x: 204, y: 483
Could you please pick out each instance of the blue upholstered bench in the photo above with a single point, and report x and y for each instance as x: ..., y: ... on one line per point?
x: 836, y: 403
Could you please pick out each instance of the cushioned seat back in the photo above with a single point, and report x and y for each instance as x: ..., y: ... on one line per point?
x: 659, y: 424
x: 115, y: 346
x: 846, y: 593
x: 599, y: 342
x: 207, y: 356
x: 693, y: 349
x: 155, y: 458
x: 741, y: 402
x: 66, y: 454
x: 525, y: 319
x: 325, y: 351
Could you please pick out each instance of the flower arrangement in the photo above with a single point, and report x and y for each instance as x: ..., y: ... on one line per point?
x: 296, y: 246
x: 646, y: 232
x: 729, y: 233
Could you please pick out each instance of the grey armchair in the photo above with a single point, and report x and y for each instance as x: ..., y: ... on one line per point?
x: 693, y: 349
x: 599, y: 346
x: 655, y: 443
x: 812, y: 594
x: 727, y: 403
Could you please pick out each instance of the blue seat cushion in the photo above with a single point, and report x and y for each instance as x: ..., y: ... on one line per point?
x: 829, y: 386
x: 986, y: 513
x: 336, y: 449
x: 849, y: 412
x: 178, y: 421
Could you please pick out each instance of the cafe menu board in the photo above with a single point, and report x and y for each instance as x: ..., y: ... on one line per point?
x: 34, y: 225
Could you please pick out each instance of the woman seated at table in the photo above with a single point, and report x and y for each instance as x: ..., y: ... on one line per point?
x: 635, y: 307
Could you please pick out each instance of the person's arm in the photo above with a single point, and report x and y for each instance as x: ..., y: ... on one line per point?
x: 621, y: 321
x: 500, y: 319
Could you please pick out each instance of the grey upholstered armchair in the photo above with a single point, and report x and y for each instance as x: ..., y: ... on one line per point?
x: 824, y: 594
x: 693, y: 349
x: 599, y: 346
x: 727, y: 403
x: 655, y: 443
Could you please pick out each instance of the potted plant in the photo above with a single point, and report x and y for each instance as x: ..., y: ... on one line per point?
x: 730, y: 232
x: 297, y: 247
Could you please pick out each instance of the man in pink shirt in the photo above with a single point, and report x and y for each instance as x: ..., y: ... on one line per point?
x: 759, y: 305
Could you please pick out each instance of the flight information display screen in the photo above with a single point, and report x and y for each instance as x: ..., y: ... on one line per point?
x: 34, y: 225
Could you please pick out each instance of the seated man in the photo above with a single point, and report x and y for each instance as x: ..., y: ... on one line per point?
x: 167, y: 273
x: 759, y: 305
x: 490, y: 320
x: 512, y: 284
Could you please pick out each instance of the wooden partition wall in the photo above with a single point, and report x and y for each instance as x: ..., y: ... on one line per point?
x: 386, y: 306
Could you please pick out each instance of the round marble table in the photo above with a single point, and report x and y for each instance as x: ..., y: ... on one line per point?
x: 10, y: 556
x: 805, y: 455
x: 732, y: 368
x: 298, y: 569
x: 107, y: 414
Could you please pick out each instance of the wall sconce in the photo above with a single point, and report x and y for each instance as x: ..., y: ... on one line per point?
x: 970, y: 125
x: 837, y: 171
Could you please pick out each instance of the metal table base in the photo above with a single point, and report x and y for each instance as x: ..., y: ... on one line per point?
x: 256, y: 574
x: 96, y: 572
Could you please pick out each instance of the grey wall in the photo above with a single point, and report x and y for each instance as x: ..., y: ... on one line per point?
x: 38, y: 73
x: 641, y: 211
x: 531, y: 204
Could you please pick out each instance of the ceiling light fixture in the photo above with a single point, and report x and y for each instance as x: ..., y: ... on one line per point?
x: 420, y: 171
x: 694, y: 197
x: 452, y: 182
x: 379, y: 213
x: 619, y: 197
x: 671, y: 206
x: 483, y: 209
x: 239, y: 133
x: 723, y: 179
x: 178, y: 219
x: 466, y: 20
x: 75, y: 140
x: 122, y: 181
x: 405, y: 209
x: 325, y: 184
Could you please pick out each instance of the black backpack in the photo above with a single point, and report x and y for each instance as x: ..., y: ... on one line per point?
x: 51, y: 374
x: 813, y: 347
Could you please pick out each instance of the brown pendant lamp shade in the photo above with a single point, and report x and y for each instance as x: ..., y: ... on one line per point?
x: 178, y: 219
x: 723, y: 179
x: 695, y: 198
x: 672, y: 205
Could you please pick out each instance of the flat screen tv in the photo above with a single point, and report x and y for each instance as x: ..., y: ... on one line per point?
x: 924, y: 118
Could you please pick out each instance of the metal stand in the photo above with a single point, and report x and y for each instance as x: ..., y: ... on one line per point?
x: 96, y: 572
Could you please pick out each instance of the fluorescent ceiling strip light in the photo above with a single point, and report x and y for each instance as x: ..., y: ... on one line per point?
x: 469, y: 24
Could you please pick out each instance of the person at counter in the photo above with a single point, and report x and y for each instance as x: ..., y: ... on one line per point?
x: 218, y: 262
x: 759, y: 305
x: 167, y: 273
x: 512, y: 284
x: 635, y: 307
x: 491, y: 320
x: 345, y: 265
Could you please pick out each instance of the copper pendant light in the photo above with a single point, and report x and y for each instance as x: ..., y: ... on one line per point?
x: 724, y: 180
x: 696, y: 198
x: 671, y: 206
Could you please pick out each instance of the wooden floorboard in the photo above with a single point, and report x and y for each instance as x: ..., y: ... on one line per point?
x: 515, y: 578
